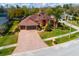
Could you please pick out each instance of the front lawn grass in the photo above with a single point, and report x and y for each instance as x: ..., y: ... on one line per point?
x: 14, y: 26
x: 54, y: 32
x: 67, y: 38
x: 11, y: 36
x: 74, y: 22
x: 7, y: 51
x: 49, y: 43
x: 8, y: 39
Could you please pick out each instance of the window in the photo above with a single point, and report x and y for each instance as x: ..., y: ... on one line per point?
x: 31, y: 27
x: 22, y: 27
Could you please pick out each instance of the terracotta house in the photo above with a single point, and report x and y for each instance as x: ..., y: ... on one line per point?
x: 33, y: 22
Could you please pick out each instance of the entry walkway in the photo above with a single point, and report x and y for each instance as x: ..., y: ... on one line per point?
x: 28, y: 40
x: 70, y: 25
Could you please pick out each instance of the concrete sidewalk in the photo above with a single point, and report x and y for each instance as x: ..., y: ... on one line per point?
x: 70, y: 25
x: 7, y: 46
x: 53, y: 38
x: 70, y: 48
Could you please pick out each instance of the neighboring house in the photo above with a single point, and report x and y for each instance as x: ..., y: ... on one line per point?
x: 3, y: 22
x: 66, y: 16
x: 34, y: 21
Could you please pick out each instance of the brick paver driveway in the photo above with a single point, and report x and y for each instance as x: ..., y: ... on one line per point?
x: 29, y: 40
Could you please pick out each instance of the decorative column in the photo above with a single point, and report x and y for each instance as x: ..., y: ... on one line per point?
x: 53, y: 41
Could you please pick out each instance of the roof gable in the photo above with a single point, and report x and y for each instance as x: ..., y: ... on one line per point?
x: 28, y: 22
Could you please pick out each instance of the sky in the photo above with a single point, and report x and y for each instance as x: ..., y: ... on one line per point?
x: 37, y: 5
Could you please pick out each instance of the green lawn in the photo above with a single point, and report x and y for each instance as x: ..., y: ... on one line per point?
x: 7, y: 51
x: 49, y: 43
x: 74, y: 22
x: 8, y: 39
x: 67, y: 38
x: 14, y: 26
x: 63, y: 39
x: 54, y: 32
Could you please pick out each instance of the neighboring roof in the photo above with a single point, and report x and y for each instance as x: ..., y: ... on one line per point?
x: 28, y: 22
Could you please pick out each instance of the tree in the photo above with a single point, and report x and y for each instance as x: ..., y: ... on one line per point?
x: 49, y: 11
x: 77, y: 19
x: 15, y: 12
x: 2, y: 10
x: 58, y: 11
x: 26, y: 11
x: 34, y: 10
x: 10, y: 12
x: 66, y: 6
x: 48, y: 27
x: 69, y: 8
x: 19, y: 13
